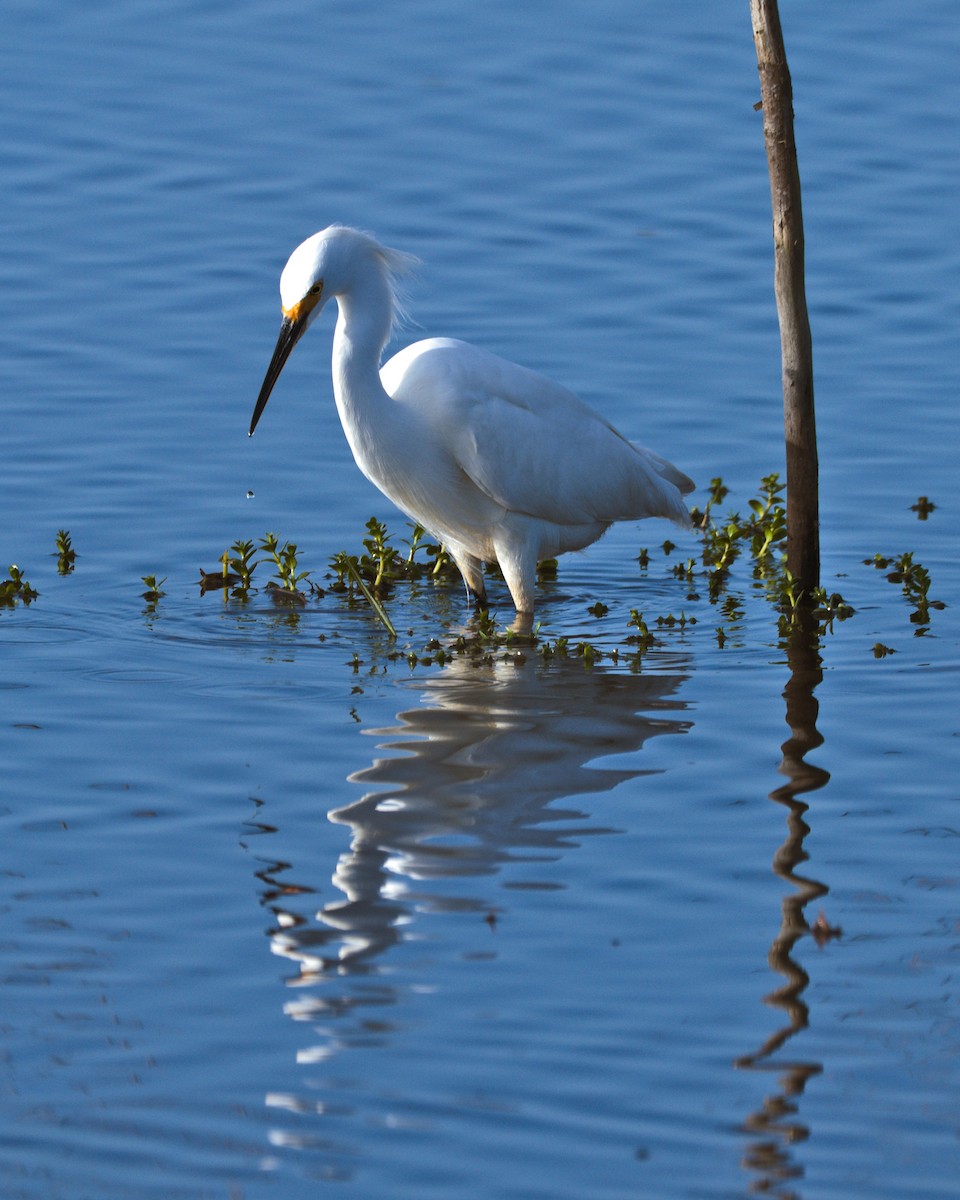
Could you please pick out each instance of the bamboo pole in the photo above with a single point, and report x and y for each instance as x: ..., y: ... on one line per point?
x: 800, y: 431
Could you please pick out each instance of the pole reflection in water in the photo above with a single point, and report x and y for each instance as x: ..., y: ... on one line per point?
x: 775, y: 1126
x: 467, y: 781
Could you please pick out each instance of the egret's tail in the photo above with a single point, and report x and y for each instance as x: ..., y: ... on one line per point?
x: 666, y: 470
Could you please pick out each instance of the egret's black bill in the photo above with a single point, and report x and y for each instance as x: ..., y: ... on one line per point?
x: 290, y: 332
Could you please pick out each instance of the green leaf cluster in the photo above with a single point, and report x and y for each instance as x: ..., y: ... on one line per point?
x: 16, y: 589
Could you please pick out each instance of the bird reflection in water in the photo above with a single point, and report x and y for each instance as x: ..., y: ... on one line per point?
x: 467, y: 781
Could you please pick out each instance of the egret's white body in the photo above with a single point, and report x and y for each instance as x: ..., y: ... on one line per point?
x: 497, y: 462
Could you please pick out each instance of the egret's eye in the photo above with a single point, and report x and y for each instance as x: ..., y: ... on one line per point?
x: 316, y: 289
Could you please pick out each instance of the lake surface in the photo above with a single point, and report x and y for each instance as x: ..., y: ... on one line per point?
x: 286, y: 916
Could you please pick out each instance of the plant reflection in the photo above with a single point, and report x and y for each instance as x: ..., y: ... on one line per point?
x: 775, y: 1126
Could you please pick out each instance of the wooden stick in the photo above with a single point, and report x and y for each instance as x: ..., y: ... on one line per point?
x: 799, y: 421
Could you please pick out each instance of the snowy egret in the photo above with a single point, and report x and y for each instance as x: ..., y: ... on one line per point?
x: 499, y: 463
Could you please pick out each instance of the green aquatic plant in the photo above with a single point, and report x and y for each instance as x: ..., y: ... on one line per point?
x: 787, y: 597
x: 154, y: 588
x: 66, y: 555
x: 768, y: 526
x: 485, y: 626
x: 589, y: 653
x: 683, y: 570
x: 382, y: 565
x: 762, y: 533
x: 923, y: 508
x: 443, y: 564
x: 284, y: 557
x: 914, y: 580
x: 385, y: 563
x: 732, y: 611
x: 16, y: 589
x: 484, y: 642
x: 547, y: 570
x: 671, y: 622
x: 372, y: 575
x: 348, y: 573
x: 240, y: 561
x: 831, y: 607
x: 762, y: 536
x: 555, y: 649
x: 218, y: 580
x: 718, y: 493
x: 643, y: 639
x: 721, y: 545
x: 418, y: 533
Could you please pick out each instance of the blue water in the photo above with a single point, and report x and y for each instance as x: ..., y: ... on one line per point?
x: 284, y: 915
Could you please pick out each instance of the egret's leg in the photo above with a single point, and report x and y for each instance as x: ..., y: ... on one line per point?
x: 477, y: 598
x: 471, y: 569
x: 518, y: 562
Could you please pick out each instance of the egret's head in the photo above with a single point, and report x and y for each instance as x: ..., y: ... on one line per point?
x: 303, y: 292
x: 325, y: 265
x: 303, y: 282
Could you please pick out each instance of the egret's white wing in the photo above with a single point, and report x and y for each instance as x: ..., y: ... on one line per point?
x: 529, y: 444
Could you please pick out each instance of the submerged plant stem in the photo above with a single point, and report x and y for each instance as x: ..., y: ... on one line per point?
x: 374, y: 603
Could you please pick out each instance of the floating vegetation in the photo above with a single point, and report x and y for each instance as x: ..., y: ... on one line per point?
x: 643, y: 638
x: 66, y: 555
x: 547, y: 570
x: 211, y: 581
x: 373, y: 576
x: 830, y: 608
x: 923, y: 508
x: 375, y: 572
x: 381, y: 566
x: 283, y: 555
x: 915, y: 584
x: 347, y: 570
x: 240, y: 562
x: 732, y: 609
x: 761, y: 534
x: 758, y: 536
x: 16, y: 589
x: 154, y: 588
x: 235, y: 573
x: 672, y: 622
x: 823, y: 932
x: 237, y: 565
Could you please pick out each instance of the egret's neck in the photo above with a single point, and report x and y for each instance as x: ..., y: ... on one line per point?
x: 367, y: 413
x: 363, y: 327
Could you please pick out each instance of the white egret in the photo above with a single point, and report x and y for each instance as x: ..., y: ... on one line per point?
x: 499, y: 463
